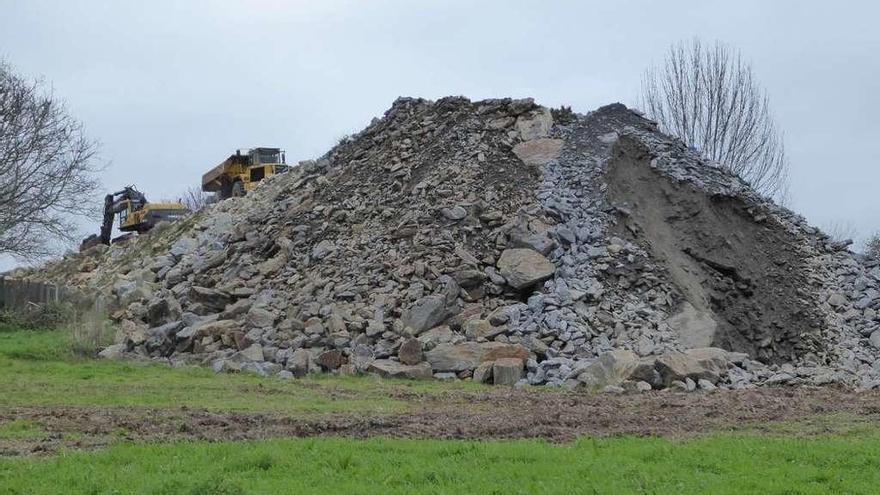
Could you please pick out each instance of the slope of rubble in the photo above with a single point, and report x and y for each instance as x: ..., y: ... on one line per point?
x: 501, y: 241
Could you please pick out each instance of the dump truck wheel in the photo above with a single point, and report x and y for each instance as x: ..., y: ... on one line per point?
x: 237, y: 190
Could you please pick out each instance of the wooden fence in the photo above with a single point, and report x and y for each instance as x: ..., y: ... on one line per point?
x: 17, y: 294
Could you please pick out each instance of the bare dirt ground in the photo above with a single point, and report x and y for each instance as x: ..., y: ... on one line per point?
x: 498, y: 414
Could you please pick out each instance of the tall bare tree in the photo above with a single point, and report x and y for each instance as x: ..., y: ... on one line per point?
x: 708, y: 97
x: 195, y: 199
x: 47, y: 170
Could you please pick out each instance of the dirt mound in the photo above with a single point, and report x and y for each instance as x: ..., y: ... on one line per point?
x: 471, y: 239
x: 741, y: 275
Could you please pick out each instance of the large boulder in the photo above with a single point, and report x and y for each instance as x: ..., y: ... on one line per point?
x: 696, y: 364
x: 615, y: 367
x: 426, y: 313
x: 410, y: 352
x: 213, y: 299
x: 523, y: 268
x: 214, y: 328
x: 252, y: 354
x: 468, y: 355
x: 534, y: 124
x: 394, y: 369
x: 538, y: 152
x: 507, y: 371
x: 300, y: 362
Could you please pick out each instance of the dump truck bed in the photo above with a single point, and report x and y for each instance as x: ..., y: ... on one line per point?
x: 211, y: 179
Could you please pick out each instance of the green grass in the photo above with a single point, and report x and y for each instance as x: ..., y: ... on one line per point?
x: 734, y: 464
x: 20, y: 429
x: 38, y: 369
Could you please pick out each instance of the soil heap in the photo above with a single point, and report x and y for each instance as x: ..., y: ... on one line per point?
x: 501, y: 241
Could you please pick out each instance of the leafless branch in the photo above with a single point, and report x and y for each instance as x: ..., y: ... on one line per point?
x: 47, y: 171
x: 707, y: 96
x: 195, y: 199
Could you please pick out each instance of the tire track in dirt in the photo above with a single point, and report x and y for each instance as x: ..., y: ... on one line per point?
x: 496, y: 414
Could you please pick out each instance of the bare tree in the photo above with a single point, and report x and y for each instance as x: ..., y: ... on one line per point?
x: 46, y: 168
x: 195, y: 199
x: 708, y: 97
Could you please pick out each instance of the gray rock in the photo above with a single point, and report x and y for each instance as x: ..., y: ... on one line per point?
x: 837, y: 300
x: 394, y: 369
x: 112, y: 351
x: 706, y: 385
x: 254, y: 353
x: 323, y: 249
x: 426, y: 313
x: 454, y: 213
x: 507, y: 371
x: 260, y: 318
x: 483, y: 372
x: 678, y: 366
x: 300, y: 362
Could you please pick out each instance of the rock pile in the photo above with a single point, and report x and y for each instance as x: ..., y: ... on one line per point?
x: 499, y: 241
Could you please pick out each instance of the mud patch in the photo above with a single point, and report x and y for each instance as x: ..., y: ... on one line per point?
x: 739, y: 271
x: 497, y: 414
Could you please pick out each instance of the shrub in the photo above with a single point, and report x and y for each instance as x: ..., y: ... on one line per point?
x: 38, y: 316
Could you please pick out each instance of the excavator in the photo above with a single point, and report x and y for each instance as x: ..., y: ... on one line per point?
x: 135, y: 214
x: 241, y: 172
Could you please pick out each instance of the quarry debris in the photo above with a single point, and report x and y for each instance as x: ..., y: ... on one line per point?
x: 450, y: 233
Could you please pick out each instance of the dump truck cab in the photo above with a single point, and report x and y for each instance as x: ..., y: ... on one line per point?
x: 241, y: 172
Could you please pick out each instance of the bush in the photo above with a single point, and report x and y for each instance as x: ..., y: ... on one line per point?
x: 38, y: 316
x: 89, y: 331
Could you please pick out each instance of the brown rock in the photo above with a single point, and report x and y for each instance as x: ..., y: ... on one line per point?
x: 331, y: 360
x: 538, y: 152
x: 523, y: 268
x: 469, y: 355
x: 410, y: 352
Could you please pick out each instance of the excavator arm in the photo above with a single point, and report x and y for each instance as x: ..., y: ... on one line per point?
x: 115, y: 203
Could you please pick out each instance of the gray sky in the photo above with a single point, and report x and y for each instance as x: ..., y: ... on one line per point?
x: 173, y: 87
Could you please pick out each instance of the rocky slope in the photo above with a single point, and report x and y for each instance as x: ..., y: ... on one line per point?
x: 503, y: 241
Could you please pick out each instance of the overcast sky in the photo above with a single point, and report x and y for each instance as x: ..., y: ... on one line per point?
x: 171, y: 88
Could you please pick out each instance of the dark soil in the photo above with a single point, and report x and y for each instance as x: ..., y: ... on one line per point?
x: 498, y: 414
x: 726, y: 258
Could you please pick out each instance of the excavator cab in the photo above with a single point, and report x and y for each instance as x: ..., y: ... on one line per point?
x: 241, y: 172
x: 141, y: 217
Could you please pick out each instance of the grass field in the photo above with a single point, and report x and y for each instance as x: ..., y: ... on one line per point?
x: 733, y: 464
x: 37, y: 369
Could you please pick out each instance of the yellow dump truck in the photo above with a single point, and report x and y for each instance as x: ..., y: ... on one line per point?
x: 240, y: 173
